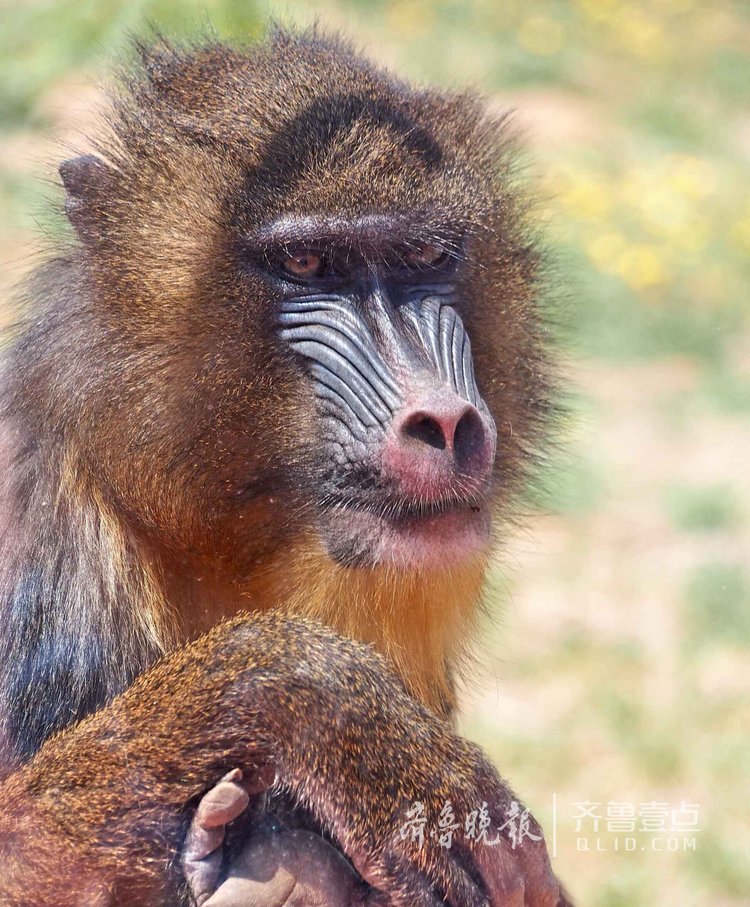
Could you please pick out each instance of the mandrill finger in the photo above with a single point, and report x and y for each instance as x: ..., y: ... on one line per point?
x: 402, y: 884
x: 461, y: 890
x: 201, y: 856
x: 532, y: 858
x: 223, y: 803
x: 202, y: 876
x: 407, y: 888
x: 513, y: 882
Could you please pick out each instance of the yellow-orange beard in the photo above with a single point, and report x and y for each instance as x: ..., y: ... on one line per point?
x: 420, y: 619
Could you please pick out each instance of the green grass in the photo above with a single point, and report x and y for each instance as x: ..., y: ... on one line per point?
x: 717, y: 598
x: 569, y: 484
x: 720, y: 866
x: 701, y: 509
x: 625, y: 889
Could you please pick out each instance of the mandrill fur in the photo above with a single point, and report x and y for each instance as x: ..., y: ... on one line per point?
x: 266, y: 414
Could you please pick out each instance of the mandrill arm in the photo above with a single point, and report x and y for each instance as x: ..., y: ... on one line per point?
x: 100, y: 815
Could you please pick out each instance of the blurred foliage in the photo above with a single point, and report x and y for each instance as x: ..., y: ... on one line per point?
x: 701, y: 509
x: 718, y: 603
x: 638, y: 116
x: 43, y: 42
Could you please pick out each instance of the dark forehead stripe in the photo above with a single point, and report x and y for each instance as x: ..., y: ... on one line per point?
x: 367, y: 231
x: 314, y: 130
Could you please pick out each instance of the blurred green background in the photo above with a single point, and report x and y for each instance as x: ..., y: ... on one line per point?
x: 617, y: 669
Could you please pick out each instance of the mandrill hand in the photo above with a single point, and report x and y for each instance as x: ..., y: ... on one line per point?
x: 378, y: 771
x: 284, y: 867
x: 278, y: 867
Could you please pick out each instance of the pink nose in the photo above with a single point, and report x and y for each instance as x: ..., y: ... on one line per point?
x: 436, y: 439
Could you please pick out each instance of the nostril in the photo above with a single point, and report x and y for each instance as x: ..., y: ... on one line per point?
x: 469, y: 437
x: 424, y: 428
x: 441, y: 446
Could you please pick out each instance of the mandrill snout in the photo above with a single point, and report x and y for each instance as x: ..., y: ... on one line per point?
x: 411, y: 443
x: 439, y: 445
x: 397, y: 393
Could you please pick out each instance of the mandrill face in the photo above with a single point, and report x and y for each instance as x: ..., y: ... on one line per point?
x: 314, y: 321
x: 409, y: 442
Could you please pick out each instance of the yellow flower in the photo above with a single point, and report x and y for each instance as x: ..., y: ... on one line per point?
x: 663, y: 211
x: 410, y: 17
x: 639, y: 34
x: 541, y: 35
x: 642, y: 267
x: 585, y: 197
x: 692, y: 235
x: 739, y: 233
x: 604, y: 250
x: 692, y: 176
x: 599, y: 10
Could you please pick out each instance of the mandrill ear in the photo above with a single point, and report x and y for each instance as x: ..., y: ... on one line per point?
x: 87, y: 181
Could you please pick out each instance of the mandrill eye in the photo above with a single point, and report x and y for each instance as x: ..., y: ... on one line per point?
x: 425, y: 256
x: 303, y: 265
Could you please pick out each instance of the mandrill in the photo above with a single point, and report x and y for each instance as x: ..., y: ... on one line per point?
x: 263, y: 418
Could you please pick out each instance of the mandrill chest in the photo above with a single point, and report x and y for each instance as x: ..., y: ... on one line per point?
x: 421, y: 620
